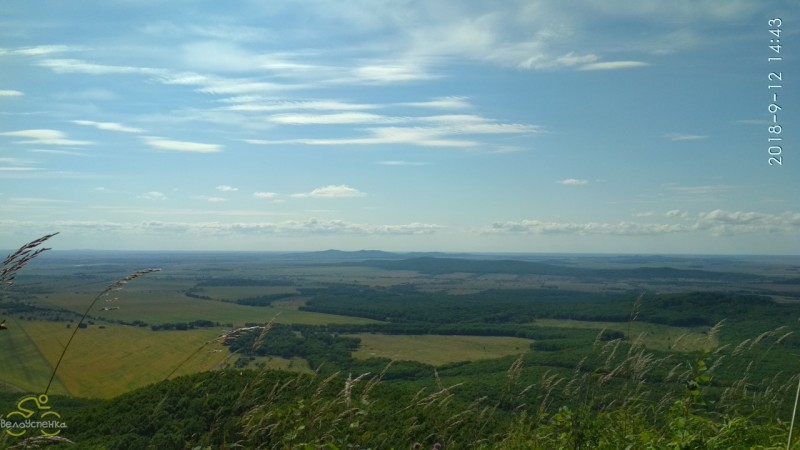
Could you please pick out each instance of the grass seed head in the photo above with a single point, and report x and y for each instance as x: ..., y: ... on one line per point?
x: 18, y: 259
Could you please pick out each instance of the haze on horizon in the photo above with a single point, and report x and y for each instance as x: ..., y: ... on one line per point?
x: 543, y: 127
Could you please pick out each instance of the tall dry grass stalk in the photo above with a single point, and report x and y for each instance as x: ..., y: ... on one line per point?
x: 17, y: 260
x: 637, y: 305
x: 39, y: 441
x: 115, y: 286
x: 794, y: 414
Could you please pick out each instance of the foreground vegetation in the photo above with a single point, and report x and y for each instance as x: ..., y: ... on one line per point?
x: 400, y: 361
x: 619, y: 395
x: 589, y: 410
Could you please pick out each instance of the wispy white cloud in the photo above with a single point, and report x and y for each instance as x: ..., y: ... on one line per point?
x: 216, y: 31
x: 265, y: 195
x: 308, y: 227
x: 241, y: 86
x: 218, y: 56
x: 424, y: 136
x: 332, y: 119
x: 38, y: 50
x: 717, y: 223
x: 210, y: 199
x: 429, y: 131
x: 223, y: 56
x: 677, y: 213
x: 383, y: 73
x: 44, y: 137
x: 589, y: 228
x: 78, y: 66
x: 47, y: 201
x: 226, y: 188
x: 701, y: 190
x: 527, y: 35
x: 57, y: 152
x: 108, y: 126
x: 14, y: 161
x: 673, y: 213
x: 722, y: 222
x: 209, y: 84
x: 542, y: 61
x: 153, y: 195
x: 613, y: 65
x: 315, y: 226
x: 573, y: 182
x: 449, y: 123
x: 657, y: 11
x: 8, y: 165
x: 11, y: 93
x: 332, y: 191
x: 443, y: 103
x: 181, y: 146
x: 257, y: 103
x: 402, y: 163
x: 17, y: 169
x: 213, y: 84
x: 684, y: 137
x: 474, y: 124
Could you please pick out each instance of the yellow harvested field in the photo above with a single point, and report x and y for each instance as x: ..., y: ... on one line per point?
x: 104, y: 362
x: 437, y: 350
x: 22, y: 367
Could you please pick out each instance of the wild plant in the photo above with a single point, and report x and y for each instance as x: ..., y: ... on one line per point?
x: 794, y: 414
x: 18, y: 259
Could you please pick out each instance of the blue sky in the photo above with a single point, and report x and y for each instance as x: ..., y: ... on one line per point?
x: 525, y: 126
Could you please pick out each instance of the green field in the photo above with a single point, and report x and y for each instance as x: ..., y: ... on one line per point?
x: 22, y: 366
x: 231, y: 293
x: 161, y: 306
x: 438, y: 350
x: 104, y: 362
x: 653, y: 336
x: 107, y: 359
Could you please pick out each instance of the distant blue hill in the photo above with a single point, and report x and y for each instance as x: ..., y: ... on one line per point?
x: 432, y: 265
x: 360, y: 255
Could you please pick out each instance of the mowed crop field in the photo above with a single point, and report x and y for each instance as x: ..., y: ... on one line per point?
x: 22, y: 366
x: 104, y: 362
x: 653, y: 336
x: 156, y: 307
x: 437, y: 350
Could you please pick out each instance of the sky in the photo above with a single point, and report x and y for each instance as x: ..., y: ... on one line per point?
x: 587, y: 126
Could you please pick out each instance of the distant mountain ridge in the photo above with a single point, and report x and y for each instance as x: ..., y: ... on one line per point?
x: 433, y: 265
x: 361, y: 255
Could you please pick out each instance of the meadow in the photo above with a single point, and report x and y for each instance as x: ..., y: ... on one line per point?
x: 105, y: 362
x: 437, y: 350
